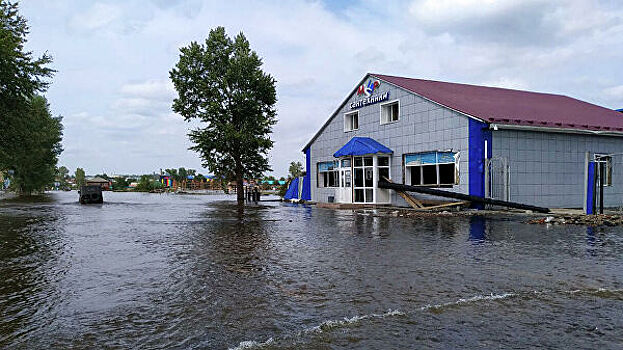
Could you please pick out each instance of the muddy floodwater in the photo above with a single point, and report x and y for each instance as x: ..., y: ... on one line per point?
x: 157, y: 271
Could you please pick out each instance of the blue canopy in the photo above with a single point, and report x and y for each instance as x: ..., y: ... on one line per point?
x: 293, y: 190
x: 358, y: 146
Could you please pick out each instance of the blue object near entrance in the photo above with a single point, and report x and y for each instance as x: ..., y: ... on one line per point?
x: 306, y: 194
x: 293, y: 190
x: 478, y: 134
x: 359, y: 146
x: 589, y: 189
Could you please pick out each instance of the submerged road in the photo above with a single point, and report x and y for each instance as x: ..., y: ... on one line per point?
x: 162, y: 271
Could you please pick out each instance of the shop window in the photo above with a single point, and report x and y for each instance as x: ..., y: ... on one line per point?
x: 607, y: 161
x: 447, y: 174
x: 432, y: 169
x: 429, y: 174
x: 328, y: 174
x: 359, y: 195
x: 351, y: 121
x: 369, y: 182
x: 358, y: 177
x: 390, y: 112
x: 383, y: 167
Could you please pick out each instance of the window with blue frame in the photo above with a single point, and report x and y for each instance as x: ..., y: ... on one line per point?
x: 435, y: 169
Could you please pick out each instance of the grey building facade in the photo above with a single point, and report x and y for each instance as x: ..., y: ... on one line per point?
x: 461, y: 138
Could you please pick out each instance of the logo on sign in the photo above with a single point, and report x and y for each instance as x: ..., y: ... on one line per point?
x: 368, y: 88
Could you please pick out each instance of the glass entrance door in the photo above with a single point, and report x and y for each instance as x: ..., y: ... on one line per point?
x: 345, y: 191
x: 363, y: 176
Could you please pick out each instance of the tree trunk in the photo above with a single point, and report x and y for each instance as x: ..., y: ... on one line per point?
x: 239, y: 188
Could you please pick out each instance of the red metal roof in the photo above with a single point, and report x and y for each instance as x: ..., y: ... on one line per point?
x: 514, y: 107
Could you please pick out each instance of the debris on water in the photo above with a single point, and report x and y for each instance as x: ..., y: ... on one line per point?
x: 589, y: 220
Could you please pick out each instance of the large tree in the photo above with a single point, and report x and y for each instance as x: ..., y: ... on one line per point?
x: 20, y: 73
x: 29, y: 135
x: 221, y: 84
x: 35, y: 156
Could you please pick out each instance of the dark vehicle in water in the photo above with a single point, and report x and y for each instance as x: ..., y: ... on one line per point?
x: 91, y: 194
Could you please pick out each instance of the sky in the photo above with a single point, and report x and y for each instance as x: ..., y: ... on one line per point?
x: 113, y: 60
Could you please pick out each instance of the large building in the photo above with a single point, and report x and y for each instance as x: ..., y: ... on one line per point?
x: 527, y: 147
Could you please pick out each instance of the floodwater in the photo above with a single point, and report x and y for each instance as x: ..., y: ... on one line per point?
x: 154, y: 271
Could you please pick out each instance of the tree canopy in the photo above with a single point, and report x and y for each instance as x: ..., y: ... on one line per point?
x: 221, y: 84
x: 30, y: 137
x: 80, y: 177
x: 296, y: 169
x: 34, y: 154
x: 21, y: 73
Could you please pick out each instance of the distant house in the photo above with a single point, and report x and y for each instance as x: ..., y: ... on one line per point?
x: 98, y: 181
x: 167, y: 181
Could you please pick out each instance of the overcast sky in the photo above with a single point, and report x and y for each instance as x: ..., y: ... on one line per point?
x: 113, y: 59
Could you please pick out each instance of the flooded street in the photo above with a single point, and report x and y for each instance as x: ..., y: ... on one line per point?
x: 165, y: 271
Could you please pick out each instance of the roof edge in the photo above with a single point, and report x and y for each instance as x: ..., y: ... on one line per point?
x: 494, y: 126
x: 326, y: 123
x: 430, y: 100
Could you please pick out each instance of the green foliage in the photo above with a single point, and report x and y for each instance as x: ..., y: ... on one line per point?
x: 20, y: 74
x: 147, y: 183
x: 61, y: 176
x: 30, y: 137
x: 80, y: 177
x: 172, y: 173
x: 221, y: 83
x: 120, y: 183
x: 283, y: 189
x: 34, y: 157
x: 296, y: 169
x: 183, y: 174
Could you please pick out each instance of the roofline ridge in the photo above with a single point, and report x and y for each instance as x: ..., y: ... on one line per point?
x: 468, y: 84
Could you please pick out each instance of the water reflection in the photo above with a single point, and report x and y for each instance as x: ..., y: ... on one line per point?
x: 477, y: 228
x: 32, y: 261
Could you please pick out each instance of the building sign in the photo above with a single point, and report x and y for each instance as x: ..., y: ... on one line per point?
x: 368, y: 88
x: 370, y: 100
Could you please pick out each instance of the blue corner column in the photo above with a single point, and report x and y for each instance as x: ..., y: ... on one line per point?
x: 589, y: 188
x: 478, y: 133
x: 306, y: 193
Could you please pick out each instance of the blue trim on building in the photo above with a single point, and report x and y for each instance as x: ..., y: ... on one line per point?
x: 478, y: 133
x: 589, y: 189
x: 306, y: 193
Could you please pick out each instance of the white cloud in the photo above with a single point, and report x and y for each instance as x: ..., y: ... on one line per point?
x: 615, y: 92
x: 451, y: 10
x: 507, y: 83
x: 97, y: 16
x: 150, y: 89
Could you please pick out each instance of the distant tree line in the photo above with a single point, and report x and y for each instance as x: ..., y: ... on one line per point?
x: 30, y: 137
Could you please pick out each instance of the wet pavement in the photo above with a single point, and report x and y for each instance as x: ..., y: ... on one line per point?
x: 161, y: 271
